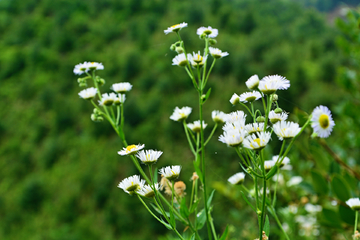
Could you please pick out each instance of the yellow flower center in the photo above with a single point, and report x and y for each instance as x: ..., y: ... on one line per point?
x: 324, y: 121
x: 174, y: 26
x: 257, y: 140
x: 130, y: 148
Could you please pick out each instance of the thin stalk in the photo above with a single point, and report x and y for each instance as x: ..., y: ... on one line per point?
x: 212, y: 65
x: 211, y: 134
x: 356, y: 221
x: 273, y: 213
x: 188, y: 137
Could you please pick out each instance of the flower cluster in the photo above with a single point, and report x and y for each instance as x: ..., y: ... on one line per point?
x: 86, y: 67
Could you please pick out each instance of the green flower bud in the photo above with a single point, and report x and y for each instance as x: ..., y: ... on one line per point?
x: 278, y: 110
x: 96, y: 118
x: 274, y: 97
x: 212, y: 41
x: 172, y: 47
x: 179, y: 50
x: 100, y: 81
x: 83, y: 84
x: 97, y: 112
x: 203, y: 36
x: 260, y: 119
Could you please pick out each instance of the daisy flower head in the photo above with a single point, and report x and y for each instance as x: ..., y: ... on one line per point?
x: 120, y: 99
x: 181, y: 60
x: 276, y: 117
x: 197, y: 60
x: 147, y: 191
x: 131, y: 149
x: 238, y: 116
x: 285, y: 130
x: 250, y: 96
x: 257, y: 141
x: 95, y: 66
x: 217, y: 53
x: 234, y: 99
x: 218, y: 116
x: 238, y: 126
x: 148, y: 156
x: 285, y: 161
x: 121, y: 87
x: 196, y: 126
x: 208, y: 31
x: 232, y: 138
x: 354, y: 203
x: 270, y: 84
x: 237, y: 178
x: 269, y: 164
x: 81, y: 68
x: 254, y: 127
x: 88, y: 93
x: 181, y: 113
x: 322, y: 121
x: 131, y: 184
x: 107, y: 99
x: 294, y: 181
x: 175, y: 28
x: 170, y: 172
x: 253, y: 82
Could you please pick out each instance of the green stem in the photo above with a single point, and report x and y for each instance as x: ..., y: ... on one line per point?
x: 211, y: 134
x: 188, y: 137
x: 273, y: 213
x: 356, y: 220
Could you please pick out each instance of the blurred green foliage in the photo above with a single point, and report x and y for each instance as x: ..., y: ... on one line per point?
x: 59, y: 170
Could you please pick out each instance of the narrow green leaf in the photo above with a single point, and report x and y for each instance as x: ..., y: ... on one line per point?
x: 201, y: 219
x: 319, y: 182
x: 207, y: 95
x: 272, y: 172
x: 267, y: 226
x: 198, y: 171
x: 225, y: 233
x: 172, y: 218
x: 184, y: 211
x: 194, y: 205
x: 340, y: 188
x: 192, y: 237
x: 156, y: 175
x: 247, y: 201
x: 168, y: 226
x: 210, y: 198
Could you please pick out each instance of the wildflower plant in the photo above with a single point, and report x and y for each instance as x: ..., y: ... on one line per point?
x: 248, y: 132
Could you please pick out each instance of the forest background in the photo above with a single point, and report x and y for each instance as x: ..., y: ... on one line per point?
x: 59, y: 170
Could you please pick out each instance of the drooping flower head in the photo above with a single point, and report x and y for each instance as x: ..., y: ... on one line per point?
x: 131, y: 184
x: 237, y: 178
x: 196, y: 126
x: 276, y: 117
x: 149, y: 156
x: 175, y: 28
x: 217, y: 53
x: 354, y: 203
x: 218, y: 116
x: 250, y: 96
x: 234, y: 99
x: 147, y: 191
x: 270, y: 84
x: 322, y: 121
x: 131, y: 149
x: 253, y: 82
x: 121, y: 87
x: 88, y: 93
x: 257, y: 141
x: 170, y: 172
x: 120, y: 99
x: 180, y: 114
x: 208, y: 31
x: 181, y: 60
x: 285, y: 130
x: 269, y: 164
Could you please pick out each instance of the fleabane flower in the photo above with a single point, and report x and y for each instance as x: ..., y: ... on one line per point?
x: 181, y: 60
x: 121, y: 87
x: 197, y: 60
x: 81, y: 68
x: 94, y: 66
x: 131, y: 149
x: 276, y: 117
x: 294, y: 181
x: 208, y: 31
x: 175, y: 28
x: 232, y: 138
x: 218, y: 116
x: 250, y: 96
x: 147, y: 191
x: 322, y: 121
x: 270, y: 84
x: 131, y: 184
x: 217, y: 53
x: 253, y: 82
x: 285, y: 162
x: 237, y: 178
x: 88, y: 93
x: 171, y: 173
x: 285, y: 130
x: 254, y: 127
x: 236, y: 116
x: 120, y: 99
x: 148, y: 156
x: 234, y: 99
x: 269, y: 164
x: 196, y: 126
x: 180, y: 114
x: 257, y: 141
x: 107, y: 99
x: 354, y: 203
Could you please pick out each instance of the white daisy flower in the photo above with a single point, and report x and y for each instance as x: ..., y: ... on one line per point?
x: 131, y: 149
x: 294, y: 181
x: 120, y: 99
x: 285, y: 162
x: 236, y: 116
x: 148, y: 156
x: 180, y: 113
x: 276, y: 117
x: 131, y: 184
x: 285, y: 130
x: 218, y: 116
x: 254, y: 127
x: 257, y: 141
x: 107, y: 99
x: 354, y: 203
x: 88, y: 93
x: 175, y: 28
x: 171, y: 173
x: 269, y: 164
x: 237, y: 178
x: 121, y: 87
x: 269, y: 84
x: 81, y: 68
x: 196, y: 59
x: 147, y: 191
x: 217, y: 53
x: 322, y: 121
x: 234, y: 99
x: 94, y: 66
x: 208, y: 31
x: 250, y: 96
x: 253, y: 82
x: 238, y: 126
x: 196, y: 126
x: 181, y: 60
x: 232, y: 138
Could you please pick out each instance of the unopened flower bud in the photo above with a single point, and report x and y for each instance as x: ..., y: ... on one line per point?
x: 274, y: 97
x: 203, y: 36
x: 179, y: 50
x: 96, y: 118
x: 260, y: 119
x: 278, y: 110
x: 172, y: 47
x: 100, y: 81
x: 258, y: 212
x: 82, y: 82
x: 203, y: 97
x: 212, y: 41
